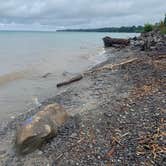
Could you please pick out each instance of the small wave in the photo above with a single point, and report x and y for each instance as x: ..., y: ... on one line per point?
x: 99, y: 57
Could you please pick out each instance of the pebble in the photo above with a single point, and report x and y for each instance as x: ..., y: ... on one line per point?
x: 40, y: 152
x: 98, y: 157
x: 91, y: 146
x: 74, y: 135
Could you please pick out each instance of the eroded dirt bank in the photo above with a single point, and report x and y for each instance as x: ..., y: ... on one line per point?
x: 118, y: 111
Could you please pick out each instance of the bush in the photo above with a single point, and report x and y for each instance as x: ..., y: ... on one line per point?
x: 148, y: 27
x: 165, y: 20
x: 163, y: 30
x: 162, y: 27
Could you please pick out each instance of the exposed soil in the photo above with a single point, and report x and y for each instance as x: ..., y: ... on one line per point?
x: 118, y: 117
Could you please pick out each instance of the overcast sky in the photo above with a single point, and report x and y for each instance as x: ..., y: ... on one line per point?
x: 55, y: 14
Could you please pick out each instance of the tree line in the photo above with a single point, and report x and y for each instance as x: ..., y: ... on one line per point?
x: 161, y: 26
x: 128, y: 29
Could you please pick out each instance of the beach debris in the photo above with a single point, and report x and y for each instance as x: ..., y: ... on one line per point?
x: 110, y: 152
x: 116, y: 66
x: 12, y: 117
x: 115, y: 42
x: 152, y: 143
x: 46, y: 75
x: 121, y: 64
x: 39, y: 128
x: 71, y: 80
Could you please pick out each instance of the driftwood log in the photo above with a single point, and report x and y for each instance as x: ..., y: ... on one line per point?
x: 116, y: 66
x: 74, y: 79
x: 115, y: 42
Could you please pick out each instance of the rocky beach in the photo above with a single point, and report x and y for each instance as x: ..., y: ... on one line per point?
x: 117, y: 112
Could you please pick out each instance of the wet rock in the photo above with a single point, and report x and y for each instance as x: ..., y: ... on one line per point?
x: 39, y: 128
x: 135, y: 38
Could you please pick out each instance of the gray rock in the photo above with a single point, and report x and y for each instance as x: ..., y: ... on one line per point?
x: 42, y: 126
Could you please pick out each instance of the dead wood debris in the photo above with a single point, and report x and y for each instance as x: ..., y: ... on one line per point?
x: 74, y: 79
x: 115, y: 66
x: 151, y: 143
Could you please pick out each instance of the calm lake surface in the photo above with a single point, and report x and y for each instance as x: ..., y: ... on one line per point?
x: 27, y: 56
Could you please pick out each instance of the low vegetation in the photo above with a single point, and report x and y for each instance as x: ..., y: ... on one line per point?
x: 148, y: 27
x: 161, y: 26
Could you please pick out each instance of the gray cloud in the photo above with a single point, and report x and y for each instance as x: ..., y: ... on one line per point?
x: 52, y: 14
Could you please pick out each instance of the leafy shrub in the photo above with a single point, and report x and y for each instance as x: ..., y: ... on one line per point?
x: 148, y: 27
x: 163, y: 30
x: 162, y: 27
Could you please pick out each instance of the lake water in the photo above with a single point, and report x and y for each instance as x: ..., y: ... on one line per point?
x: 26, y: 56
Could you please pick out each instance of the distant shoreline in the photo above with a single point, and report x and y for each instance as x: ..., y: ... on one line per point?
x: 123, y: 29
x: 28, y: 31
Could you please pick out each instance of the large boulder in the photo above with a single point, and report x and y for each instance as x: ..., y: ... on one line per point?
x: 115, y: 42
x: 42, y: 126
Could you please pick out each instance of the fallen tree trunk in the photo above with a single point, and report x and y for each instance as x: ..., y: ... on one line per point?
x: 74, y: 79
x: 111, y: 42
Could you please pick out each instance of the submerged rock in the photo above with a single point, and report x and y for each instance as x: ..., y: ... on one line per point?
x: 42, y: 126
